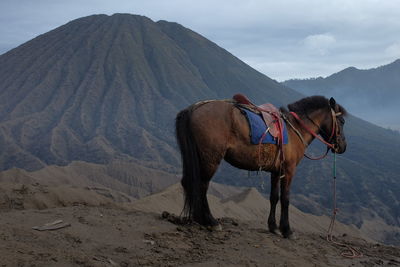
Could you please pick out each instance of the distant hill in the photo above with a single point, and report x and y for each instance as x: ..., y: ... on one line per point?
x: 371, y: 94
x: 103, y: 88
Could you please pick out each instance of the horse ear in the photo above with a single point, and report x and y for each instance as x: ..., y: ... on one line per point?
x: 332, y: 102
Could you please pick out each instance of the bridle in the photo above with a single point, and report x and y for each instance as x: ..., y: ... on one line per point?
x: 333, y: 140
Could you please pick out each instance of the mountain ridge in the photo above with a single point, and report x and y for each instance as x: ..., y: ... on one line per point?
x: 369, y: 87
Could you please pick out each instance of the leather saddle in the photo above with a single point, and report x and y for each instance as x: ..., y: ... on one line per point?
x: 269, y: 113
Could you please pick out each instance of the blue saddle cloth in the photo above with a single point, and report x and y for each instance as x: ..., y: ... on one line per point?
x: 258, y: 128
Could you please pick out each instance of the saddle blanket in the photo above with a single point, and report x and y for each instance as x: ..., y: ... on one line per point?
x: 258, y: 128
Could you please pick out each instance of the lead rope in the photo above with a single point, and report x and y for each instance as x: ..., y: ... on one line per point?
x: 352, y: 253
x: 312, y: 133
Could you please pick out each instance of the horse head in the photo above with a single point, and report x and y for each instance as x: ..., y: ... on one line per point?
x: 333, y: 127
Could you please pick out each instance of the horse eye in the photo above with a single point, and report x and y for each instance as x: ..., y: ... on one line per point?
x: 341, y: 119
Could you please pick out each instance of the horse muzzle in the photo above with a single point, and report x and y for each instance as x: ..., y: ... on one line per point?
x: 339, y: 148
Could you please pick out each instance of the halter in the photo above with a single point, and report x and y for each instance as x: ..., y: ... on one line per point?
x: 334, y: 134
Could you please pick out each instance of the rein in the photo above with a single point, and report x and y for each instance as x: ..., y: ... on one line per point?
x: 329, y: 145
x: 314, y: 134
x: 317, y: 158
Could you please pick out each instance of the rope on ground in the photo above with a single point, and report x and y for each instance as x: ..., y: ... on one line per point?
x: 351, y: 252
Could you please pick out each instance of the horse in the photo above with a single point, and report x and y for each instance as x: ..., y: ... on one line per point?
x: 209, y: 131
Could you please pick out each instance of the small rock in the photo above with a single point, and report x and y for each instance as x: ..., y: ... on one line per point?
x: 121, y: 249
x: 151, y: 242
x: 113, y: 263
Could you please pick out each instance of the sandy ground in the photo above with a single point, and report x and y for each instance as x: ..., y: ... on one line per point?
x: 112, y: 236
x: 107, y: 228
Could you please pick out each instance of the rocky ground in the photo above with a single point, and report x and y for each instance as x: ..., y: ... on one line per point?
x: 118, y: 236
x: 103, y: 227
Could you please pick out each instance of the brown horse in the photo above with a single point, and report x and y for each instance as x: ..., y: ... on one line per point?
x: 210, y: 131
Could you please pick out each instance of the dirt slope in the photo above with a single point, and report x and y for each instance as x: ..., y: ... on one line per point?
x: 104, y: 232
x: 129, y: 178
x: 103, y: 236
x: 248, y: 205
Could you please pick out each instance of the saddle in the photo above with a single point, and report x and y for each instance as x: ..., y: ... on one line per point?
x: 269, y: 113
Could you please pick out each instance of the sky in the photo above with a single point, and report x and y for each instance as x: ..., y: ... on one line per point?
x: 283, y: 39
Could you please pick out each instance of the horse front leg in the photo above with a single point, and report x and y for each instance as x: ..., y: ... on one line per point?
x: 284, y: 225
x: 273, y: 198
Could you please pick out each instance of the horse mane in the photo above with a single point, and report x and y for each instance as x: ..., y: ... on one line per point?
x: 309, y: 104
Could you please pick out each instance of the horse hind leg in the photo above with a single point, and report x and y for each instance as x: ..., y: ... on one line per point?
x: 195, y: 184
x: 202, y: 213
x: 203, y: 146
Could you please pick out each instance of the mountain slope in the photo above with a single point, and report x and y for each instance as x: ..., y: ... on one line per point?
x: 105, y: 87
x: 127, y: 178
x: 361, y: 91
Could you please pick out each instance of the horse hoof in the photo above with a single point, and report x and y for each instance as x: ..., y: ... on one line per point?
x: 290, y: 236
x: 216, y: 228
x: 273, y: 231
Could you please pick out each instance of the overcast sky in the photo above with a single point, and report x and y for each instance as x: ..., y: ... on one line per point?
x: 282, y: 39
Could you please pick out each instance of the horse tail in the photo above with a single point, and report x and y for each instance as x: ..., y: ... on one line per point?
x: 191, y: 165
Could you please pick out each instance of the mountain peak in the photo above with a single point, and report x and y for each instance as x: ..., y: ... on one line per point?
x: 102, y: 87
x: 113, y: 16
x: 351, y: 68
x: 346, y: 71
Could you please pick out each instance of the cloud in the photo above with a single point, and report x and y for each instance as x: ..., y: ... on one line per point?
x: 319, y: 43
x: 393, y: 50
x: 283, y: 39
x: 301, y: 69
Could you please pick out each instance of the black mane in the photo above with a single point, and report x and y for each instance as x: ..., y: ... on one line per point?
x: 309, y: 104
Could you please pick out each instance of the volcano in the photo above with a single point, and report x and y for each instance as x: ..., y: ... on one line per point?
x: 105, y: 87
